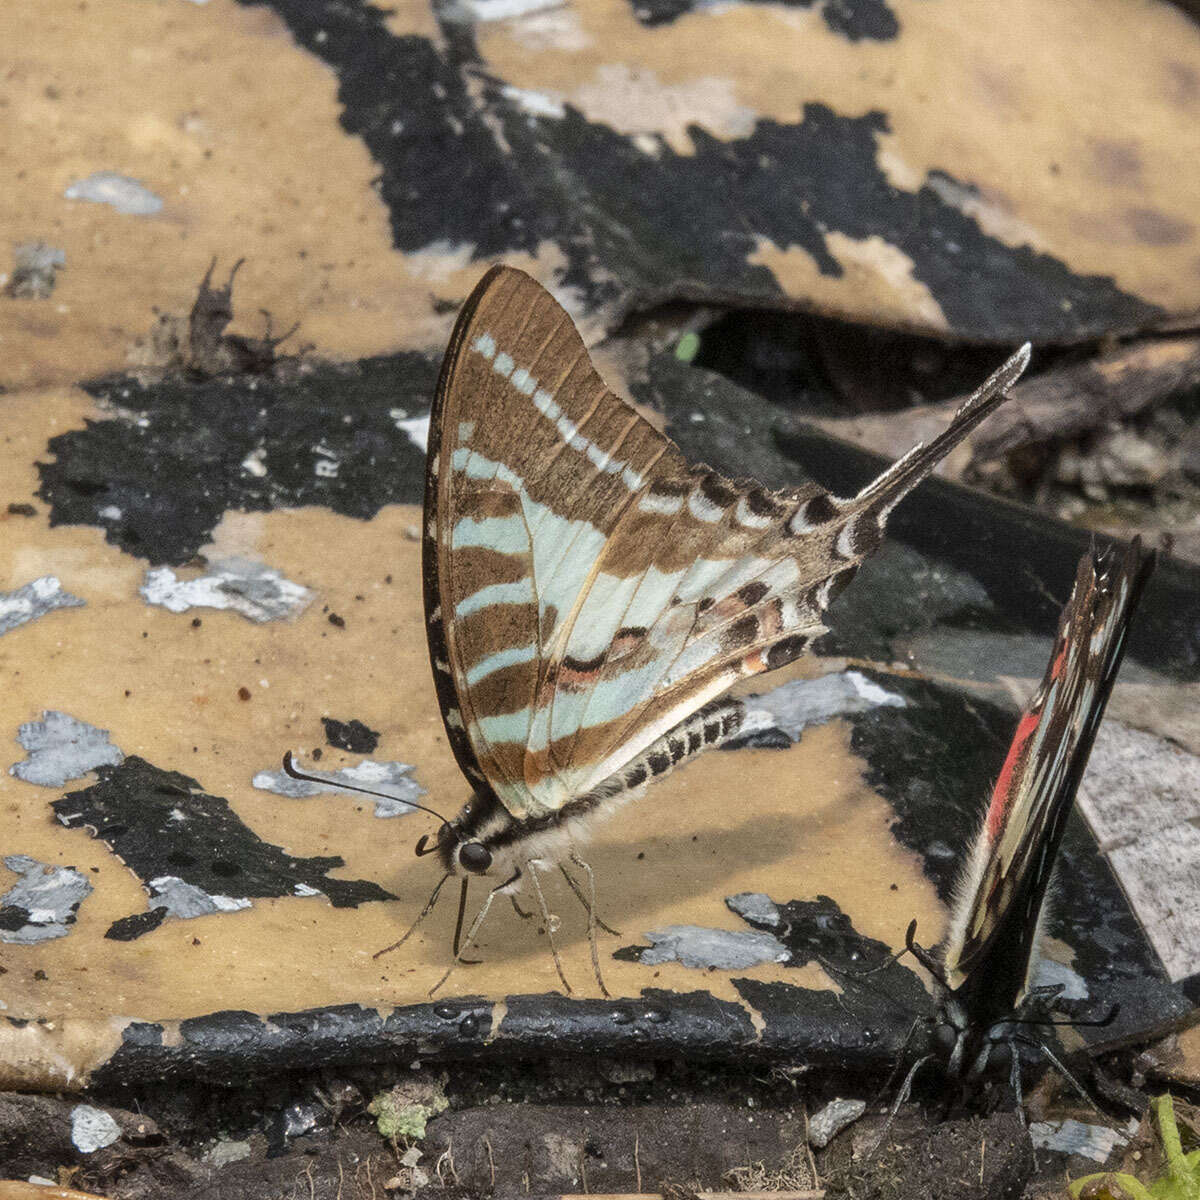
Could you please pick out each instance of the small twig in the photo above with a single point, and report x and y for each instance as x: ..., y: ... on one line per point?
x: 487, y: 1145
x: 637, y: 1166
x: 447, y: 1158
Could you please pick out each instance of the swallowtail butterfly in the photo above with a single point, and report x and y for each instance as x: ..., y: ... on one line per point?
x: 985, y: 965
x: 590, y: 595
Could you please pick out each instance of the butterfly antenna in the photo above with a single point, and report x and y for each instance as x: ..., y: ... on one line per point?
x: 420, y: 917
x: 858, y: 977
x: 1070, y: 1022
x: 290, y: 768
x: 927, y: 960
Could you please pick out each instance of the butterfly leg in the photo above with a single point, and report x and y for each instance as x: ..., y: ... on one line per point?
x: 591, y: 907
x: 550, y: 922
x: 475, y: 924
x: 420, y: 917
x: 902, y: 1095
x: 518, y: 909
x: 1014, y: 1080
x: 590, y: 904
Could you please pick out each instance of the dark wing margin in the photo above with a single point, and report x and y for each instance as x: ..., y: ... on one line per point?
x: 431, y: 537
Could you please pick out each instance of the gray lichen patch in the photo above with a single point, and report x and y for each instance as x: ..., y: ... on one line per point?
x: 393, y: 777
x: 33, y: 600
x: 62, y: 748
x: 126, y: 195
x: 257, y: 592
x: 724, y: 949
x: 803, y: 702
x: 43, y: 903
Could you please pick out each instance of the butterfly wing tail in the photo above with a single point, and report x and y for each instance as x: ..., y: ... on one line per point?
x: 906, y: 472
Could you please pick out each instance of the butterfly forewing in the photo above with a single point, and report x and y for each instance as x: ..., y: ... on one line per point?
x: 586, y: 588
x: 1003, y: 890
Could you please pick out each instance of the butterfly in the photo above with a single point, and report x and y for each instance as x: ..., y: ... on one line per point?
x: 984, y: 967
x: 590, y: 595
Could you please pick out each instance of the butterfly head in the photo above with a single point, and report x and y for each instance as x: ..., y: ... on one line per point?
x: 459, y: 843
x: 460, y: 854
x: 461, y: 851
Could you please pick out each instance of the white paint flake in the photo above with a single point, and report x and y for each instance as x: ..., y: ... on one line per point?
x: 48, y: 897
x: 757, y: 908
x: 700, y: 948
x: 499, y: 10
x: 117, y: 191
x: 256, y: 592
x: 92, y: 1128
x: 62, y: 748
x: 392, y: 777
x: 254, y: 463
x: 803, y: 702
x: 536, y: 104
x: 33, y: 600
x: 184, y: 900
x: 1096, y: 1142
x: 416, y: 429
x: 1049, y: 973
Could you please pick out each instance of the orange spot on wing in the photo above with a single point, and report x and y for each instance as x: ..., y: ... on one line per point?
x: 1002, y: 792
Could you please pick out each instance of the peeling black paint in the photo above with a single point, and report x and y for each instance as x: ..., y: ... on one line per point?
x: 350, y: 735
x: 695, y: 219
x: 160, y: 825
x: 855, y: 20
x: 442, y: 174
x: 668, y: 224
x: 176, y: 466
x: 130, y: 928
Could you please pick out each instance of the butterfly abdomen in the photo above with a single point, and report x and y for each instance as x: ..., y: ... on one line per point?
x: 550, y: 836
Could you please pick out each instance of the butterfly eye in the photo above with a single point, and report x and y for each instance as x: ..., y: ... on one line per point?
x: 945, y: 1038
x: 475, y: 856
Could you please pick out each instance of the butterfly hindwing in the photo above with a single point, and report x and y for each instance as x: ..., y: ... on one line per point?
x: 997, y: 912
x: 586, y: 587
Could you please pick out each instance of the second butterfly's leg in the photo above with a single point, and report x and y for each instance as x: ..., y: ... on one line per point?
x: 475, y: 924
x: 537, y: 890
x: 590, y: 905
